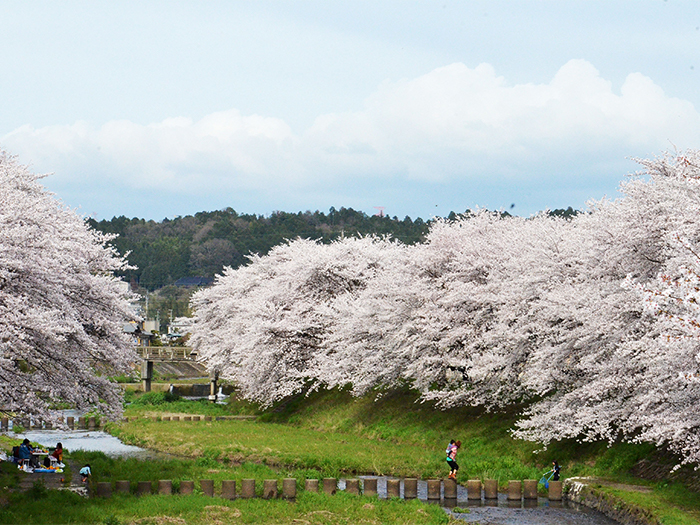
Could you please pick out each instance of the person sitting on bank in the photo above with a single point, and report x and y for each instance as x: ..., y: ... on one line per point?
x: 25, y: 453
x: 57, y: 456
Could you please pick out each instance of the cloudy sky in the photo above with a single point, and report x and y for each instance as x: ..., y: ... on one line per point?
x: 156, y: 109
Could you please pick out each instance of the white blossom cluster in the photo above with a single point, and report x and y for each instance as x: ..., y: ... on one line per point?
x: 591, y: 322
x: 61, y: 309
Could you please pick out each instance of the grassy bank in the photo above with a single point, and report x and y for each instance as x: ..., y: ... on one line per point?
x: 326, y: 434
x: 333, y: 434
x: 314, y: 509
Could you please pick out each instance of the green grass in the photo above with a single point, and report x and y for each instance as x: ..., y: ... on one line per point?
x: 333, y: 434
x: 196, y: 509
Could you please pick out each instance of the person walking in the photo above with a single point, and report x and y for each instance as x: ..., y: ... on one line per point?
x: 85, y: 473
x: 452, y: 459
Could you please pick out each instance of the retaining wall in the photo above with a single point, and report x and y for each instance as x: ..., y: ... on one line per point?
x: 613, y: 507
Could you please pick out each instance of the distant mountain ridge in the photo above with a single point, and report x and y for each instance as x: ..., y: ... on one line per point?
x: 199, y: 246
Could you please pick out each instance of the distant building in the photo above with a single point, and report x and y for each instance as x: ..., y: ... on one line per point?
x: 140, y: 336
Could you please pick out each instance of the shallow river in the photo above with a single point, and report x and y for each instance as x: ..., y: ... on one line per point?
x: 500, y: 512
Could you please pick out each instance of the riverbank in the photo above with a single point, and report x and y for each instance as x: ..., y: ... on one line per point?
x: 333, y: 434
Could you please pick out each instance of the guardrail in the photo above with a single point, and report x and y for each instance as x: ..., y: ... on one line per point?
x: 170, y: 353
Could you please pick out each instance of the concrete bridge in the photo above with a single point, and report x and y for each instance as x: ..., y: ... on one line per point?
x: 167, y: 353
x: 170, y: 354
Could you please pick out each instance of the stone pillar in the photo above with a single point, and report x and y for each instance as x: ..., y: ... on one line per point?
x: 247, y: 488
x: 228, y: 489
x: 393, y: 488
x: 5, y: 424
x: 82, y: 423
x: 369, y: 487
x: 143, y: 487
x: 352, y: 486
x: 555, y: 490
x: 165, y: 486
x: 330, y: 485
x: 207, y: 418
x: 175, y: 418
x: 433, y: 489
x: 195, y: 418
x: 207, y: 486
x: 187, y: 418
x: 514, y: 490
x: 474, y: 489
x: 70, y: 421
x: 165, y: 418
x: 92, y: 423
x: 311, y: 485
x: 213, y: 379
x: 186, y: 486
x: 146, y: 375
x: 410, y: 488
x: 289, y: 488
x: 270, y: 489
x: 450, y: 489
x: 122, y: 485
x: 103, y: 489
x: 490, y: 489
x: 530, y: 489
x: 48, y: 425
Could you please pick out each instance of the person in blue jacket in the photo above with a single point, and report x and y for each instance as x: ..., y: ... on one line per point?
x: 25, y: 452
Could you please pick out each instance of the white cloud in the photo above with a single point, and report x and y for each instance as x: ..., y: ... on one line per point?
x: 452, y: 123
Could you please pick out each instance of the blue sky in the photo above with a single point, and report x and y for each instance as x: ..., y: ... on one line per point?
x: 157, y: 109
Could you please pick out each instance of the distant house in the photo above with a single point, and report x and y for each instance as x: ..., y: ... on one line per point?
x: 194, y: 281
x: 139, y: 336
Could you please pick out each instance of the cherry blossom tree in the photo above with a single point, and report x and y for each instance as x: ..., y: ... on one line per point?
x: 626, y: 379
x: 592, y: 322
x: 264, y: 324
x: 61, y: 309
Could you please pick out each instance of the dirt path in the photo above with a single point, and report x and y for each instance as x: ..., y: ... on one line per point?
x: 53, y: 480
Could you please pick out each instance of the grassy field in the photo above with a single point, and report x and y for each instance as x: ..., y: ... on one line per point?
x: 333, y: 434
x: 325, y: 434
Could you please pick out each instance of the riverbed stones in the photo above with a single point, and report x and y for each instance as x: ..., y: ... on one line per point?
x: 514, y: 490
x: 289, y: 488
x: 104, y: 489
x: 228, y: 489
x: 269, y: 489
x: 122, y: 486
x: 330, y: 485
x: 450, y: 489
x: 433, y: 489
x: 474, y: 489
x: 311, y: 485
x: 247, y: 488
x: 393, y: 488
x: 207, y: 486
x: 530, y: 489
x: 555, y: 491
x: 490, y: 489
x: 410, y: 488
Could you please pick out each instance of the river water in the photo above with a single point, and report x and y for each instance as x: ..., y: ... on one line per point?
x: 499, y: 512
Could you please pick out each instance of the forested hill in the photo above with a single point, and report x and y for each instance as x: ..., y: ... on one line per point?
x: 201, y: 245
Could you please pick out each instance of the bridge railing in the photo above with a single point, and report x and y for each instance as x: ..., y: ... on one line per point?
x: 166, y: 352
